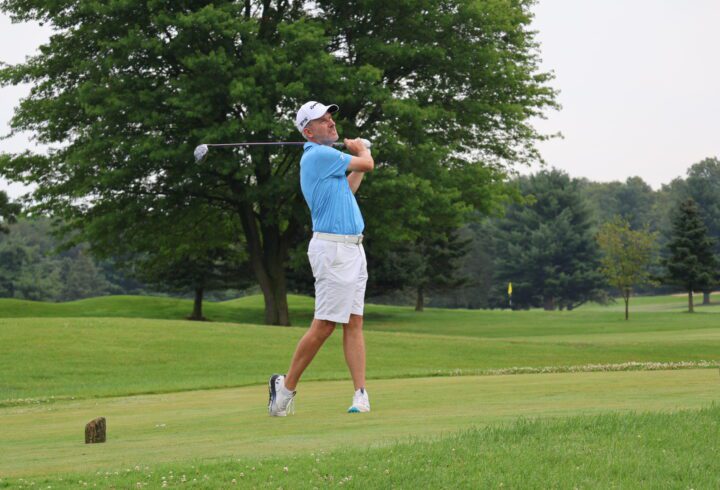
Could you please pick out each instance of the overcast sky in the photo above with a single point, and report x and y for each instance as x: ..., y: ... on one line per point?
x: 639, y: 85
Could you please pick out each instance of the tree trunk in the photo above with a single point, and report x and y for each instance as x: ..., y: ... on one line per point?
x: 420, y: 300
x: 691, y: 308
x: 549, y: 303
x: 626, y: 297
x: 706, y: 296
x: 197, y: 305
x: 274, y: 291
x: 268, y: 256
x: 271, y: 278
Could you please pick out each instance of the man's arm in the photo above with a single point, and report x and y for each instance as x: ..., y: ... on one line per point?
x: 361, y: 162
x: 354, y: 179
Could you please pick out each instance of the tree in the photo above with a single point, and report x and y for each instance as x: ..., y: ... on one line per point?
x: 632, y: 200
x: 80, y: 277
x: 546, y: 245
x: 426, y: 258
x: 181, y: 270
x: 186, y: 251
x: 478, y: 265
x: 130, y: 88
x: 703, y: 186
x: 627, y: 255
x: 33, y: 267
x: 690, y: 262
x: 12, y: 260
x: 8, y: 212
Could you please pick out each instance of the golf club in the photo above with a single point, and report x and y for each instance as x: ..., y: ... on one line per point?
x: 201, y: 151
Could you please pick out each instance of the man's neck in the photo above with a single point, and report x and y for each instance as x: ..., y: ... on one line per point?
x: 311, y: 140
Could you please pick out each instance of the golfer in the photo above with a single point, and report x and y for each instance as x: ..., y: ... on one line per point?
x: 336, y: 253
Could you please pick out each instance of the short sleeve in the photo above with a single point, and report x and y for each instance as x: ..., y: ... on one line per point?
x: 332, y: 162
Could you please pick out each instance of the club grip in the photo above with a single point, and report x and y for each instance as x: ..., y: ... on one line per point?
x: 366, y: 143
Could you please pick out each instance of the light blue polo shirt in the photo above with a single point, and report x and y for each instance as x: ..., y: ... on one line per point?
x: 332, y: 204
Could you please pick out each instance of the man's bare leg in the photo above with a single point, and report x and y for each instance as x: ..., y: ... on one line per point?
x: 306, y: 349
x: 354, y: 347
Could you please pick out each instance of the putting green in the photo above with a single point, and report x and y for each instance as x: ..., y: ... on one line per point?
x: 194, y: 425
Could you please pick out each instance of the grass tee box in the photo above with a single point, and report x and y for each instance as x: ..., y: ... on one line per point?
x: 148, y: 430
x: 645, y: 451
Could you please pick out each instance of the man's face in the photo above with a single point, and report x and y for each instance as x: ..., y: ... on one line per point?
x: 322, y: 130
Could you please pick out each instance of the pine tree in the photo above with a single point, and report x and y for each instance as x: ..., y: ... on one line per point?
x: 546, y: 246
x: 703, y: 185
x: 690, y: 262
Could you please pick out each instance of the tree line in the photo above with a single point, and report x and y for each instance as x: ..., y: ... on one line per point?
x: 560, y: 242
x: 568, y: 241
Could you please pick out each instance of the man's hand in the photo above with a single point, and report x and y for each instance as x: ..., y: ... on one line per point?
x: 362, y: 161
x: 355, y: 146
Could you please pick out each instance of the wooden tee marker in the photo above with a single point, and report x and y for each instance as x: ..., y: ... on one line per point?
x: 95, y: 431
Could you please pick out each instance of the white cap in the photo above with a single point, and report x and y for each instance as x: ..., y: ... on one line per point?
x: 312, y: 110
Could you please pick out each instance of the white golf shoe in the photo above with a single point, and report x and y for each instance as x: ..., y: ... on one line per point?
x: 361, y: 402
x: 281, y: 399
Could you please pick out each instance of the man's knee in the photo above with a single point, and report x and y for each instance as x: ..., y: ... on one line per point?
x: 356, y: 321
x: 323, y: 328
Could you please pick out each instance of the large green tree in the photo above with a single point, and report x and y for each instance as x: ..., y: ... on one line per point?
x: 546, y: 246
x: 690, y: 261
x: 124, y: 91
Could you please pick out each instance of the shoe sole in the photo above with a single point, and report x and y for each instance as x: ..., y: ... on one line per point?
x: 271, y: 392
x: 356, y: 410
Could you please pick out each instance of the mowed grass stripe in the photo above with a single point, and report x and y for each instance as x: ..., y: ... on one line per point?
x: 473, y: 323
x: 648, y: 450
x: 668, y: 303
x: 233, y: 423
x: 103, y: 357
x: 243, y: 310
x: 710, y: 334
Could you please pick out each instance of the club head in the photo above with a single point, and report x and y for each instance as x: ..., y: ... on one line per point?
x: 200, y: 153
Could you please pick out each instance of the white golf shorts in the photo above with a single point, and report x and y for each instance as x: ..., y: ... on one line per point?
x: 340, y: 271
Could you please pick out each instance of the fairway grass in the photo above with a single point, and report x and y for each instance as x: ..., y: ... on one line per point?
x: 591, y: 318
x: 151, y: 430
x: 62, y: 358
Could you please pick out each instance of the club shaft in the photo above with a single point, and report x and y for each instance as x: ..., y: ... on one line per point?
x: 274, y: 143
